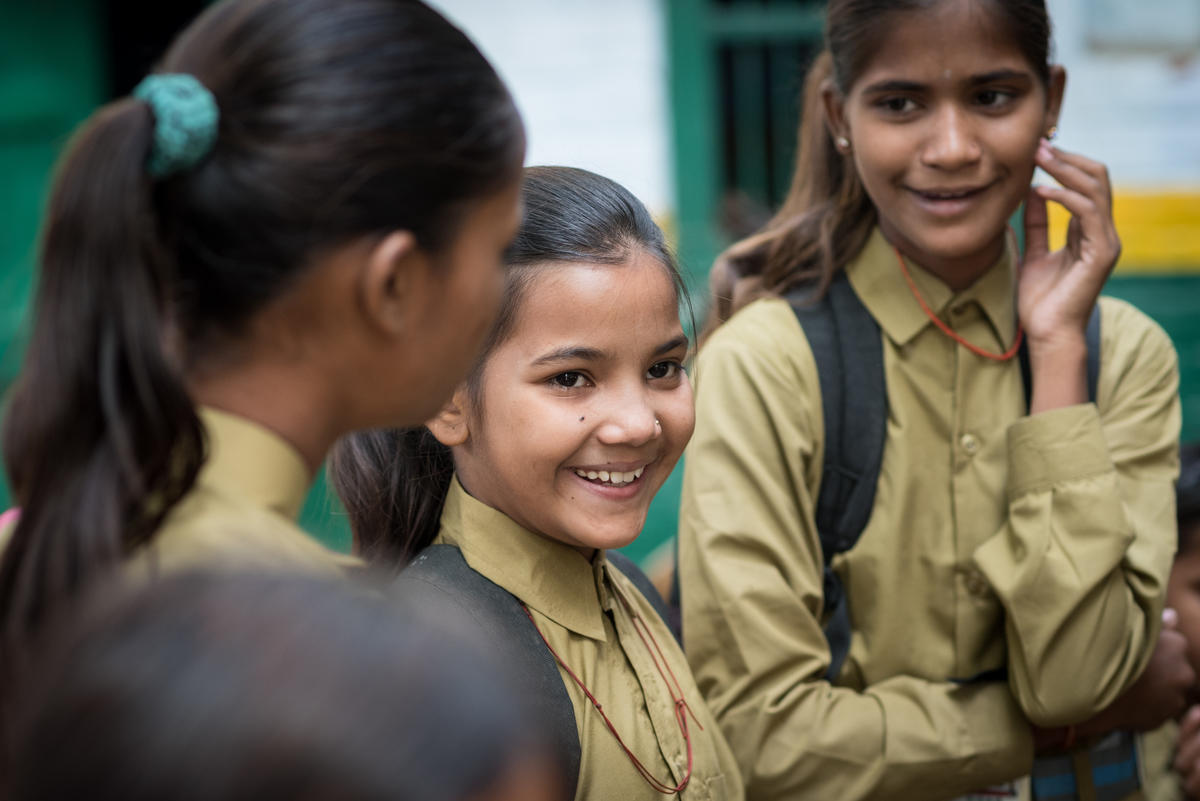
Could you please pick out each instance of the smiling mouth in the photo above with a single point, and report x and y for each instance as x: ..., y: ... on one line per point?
x: 948, y: 194
x: 613, y: 478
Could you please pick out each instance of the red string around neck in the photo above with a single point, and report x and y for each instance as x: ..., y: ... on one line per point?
x: 950, y: 332
x: 682, y: 710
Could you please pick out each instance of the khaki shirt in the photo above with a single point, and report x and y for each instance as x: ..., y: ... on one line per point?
x: 1040, y: 544
x: 576, y: 605
x: 242, y: 509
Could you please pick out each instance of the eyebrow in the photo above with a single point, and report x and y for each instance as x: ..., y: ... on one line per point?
x: 586, y: 354
x: 975, y: 80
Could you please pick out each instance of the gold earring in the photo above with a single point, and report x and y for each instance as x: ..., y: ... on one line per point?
x: 1052, y: 133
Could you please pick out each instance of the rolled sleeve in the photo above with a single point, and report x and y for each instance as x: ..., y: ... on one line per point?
x: 1081, y: 563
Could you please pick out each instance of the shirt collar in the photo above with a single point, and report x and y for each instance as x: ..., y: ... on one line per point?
x: 545, y: 574
x: 252, y: 462
x: 876, y: 278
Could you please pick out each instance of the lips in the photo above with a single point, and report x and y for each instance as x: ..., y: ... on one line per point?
x: 948, y: 200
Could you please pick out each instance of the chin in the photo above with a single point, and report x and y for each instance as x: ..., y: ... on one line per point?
x: 955, y: 244
x: 609, y: 539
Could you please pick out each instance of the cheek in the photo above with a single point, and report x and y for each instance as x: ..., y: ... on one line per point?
x: 678, y: 417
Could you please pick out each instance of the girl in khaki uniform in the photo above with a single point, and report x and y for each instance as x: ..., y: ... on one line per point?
x: 1007, y: 592
x: 545, y: 458
x: 255, y: 253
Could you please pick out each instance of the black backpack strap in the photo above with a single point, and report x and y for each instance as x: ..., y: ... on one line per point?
x: 1092, y: 335
x: 441, y: 571
x: 635, y: 574
x: 848, y: 350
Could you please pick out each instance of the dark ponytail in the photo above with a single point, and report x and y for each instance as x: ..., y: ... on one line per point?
x: 338, y: 120
x: 393, y: 483
x: 827, y: 216
x: 101, y: 437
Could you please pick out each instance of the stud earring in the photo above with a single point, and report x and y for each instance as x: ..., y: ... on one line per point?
x: 657, y: 423
x: 1052, y: 133
x: 843, y: 143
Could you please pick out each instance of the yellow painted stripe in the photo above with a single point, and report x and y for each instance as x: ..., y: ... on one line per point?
x: 1160, y: 231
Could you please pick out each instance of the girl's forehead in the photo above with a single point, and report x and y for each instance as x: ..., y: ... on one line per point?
x: 608, y: 301
x: 957, y: 39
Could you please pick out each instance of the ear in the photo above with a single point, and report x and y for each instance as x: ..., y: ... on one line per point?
x: 1054, y: 95
x: 835, y: 114
x: 449, y: 426
x: 390, y: 282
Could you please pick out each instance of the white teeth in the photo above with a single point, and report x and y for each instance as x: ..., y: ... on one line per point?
x: 593, y: 475
x: 638, y: 473
x: 604, y: 475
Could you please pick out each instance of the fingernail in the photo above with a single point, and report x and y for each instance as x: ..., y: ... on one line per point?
x: 1169, y: 616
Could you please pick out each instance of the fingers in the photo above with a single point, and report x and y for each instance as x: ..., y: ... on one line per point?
x: 1076, y: 172
x: 1189, y: 725
x: 1086, y: 192
x: 1037, y: 227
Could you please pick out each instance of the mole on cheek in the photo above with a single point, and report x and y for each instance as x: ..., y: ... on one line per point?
x: 581, y: 419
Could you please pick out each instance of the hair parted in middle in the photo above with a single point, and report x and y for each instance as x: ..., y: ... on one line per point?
x: 393, y: 482
x: 827, y: 216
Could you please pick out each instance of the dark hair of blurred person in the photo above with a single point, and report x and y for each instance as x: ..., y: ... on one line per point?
x: 210, y: 687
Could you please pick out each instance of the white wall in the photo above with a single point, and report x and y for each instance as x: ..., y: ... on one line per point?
x: 1137, y: 112
x: 590, y: 78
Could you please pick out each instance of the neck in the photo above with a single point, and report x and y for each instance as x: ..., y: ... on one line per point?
x: 956, y: 272
x: 277, y: 397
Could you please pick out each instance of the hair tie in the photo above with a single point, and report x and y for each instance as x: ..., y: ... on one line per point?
x: 185, y: 121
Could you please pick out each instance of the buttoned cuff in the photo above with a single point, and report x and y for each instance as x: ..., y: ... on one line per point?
x: 1052, y: 447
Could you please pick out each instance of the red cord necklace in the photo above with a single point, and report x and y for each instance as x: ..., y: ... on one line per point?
x: 682, y: 710
x: 950, y: 332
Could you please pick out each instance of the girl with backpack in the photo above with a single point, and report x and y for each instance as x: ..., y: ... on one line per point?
x: 508, y: 501
x: 293, y: 230
x: 994, y: 584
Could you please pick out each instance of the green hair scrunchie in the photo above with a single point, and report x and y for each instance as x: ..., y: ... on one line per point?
x: 185, y: 121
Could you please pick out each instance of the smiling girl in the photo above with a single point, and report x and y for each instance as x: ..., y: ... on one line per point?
x: 545, y: 458
x: 1007, y: 590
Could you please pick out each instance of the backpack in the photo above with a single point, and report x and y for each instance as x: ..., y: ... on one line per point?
x: 848, y: 348
x: 444, y: 572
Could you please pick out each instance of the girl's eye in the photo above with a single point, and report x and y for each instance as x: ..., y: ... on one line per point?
x: 664, y: 370
x: 569, y: 380
x: 897, y: 105
x: 992, y: 98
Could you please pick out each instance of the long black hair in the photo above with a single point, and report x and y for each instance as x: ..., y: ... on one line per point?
x: 339, y: 119
x: 393, y: 482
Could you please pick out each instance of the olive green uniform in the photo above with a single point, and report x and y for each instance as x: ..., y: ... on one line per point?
x: 241, y: 512
x: 1037, y: 544
x: 577, y: 606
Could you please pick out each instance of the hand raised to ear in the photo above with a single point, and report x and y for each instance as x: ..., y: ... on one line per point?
x: 1058, y: 289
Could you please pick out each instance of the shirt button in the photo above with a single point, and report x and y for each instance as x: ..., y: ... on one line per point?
x: 976, y: 583
x: 969, y: 443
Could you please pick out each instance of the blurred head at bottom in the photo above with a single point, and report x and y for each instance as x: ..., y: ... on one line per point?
x: 204, y: 687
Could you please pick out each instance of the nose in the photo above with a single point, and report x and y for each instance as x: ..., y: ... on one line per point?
x: 952, y: 142
x: 629, y: 419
